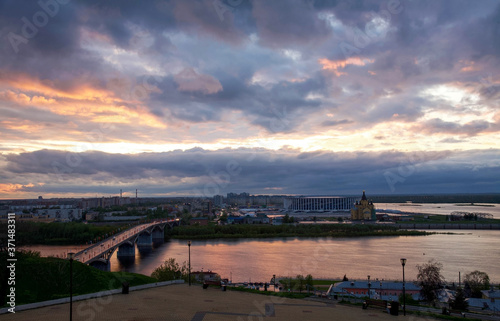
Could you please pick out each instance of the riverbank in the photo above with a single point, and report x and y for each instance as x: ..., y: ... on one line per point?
x: 42, y: 279
x: 286, y: 230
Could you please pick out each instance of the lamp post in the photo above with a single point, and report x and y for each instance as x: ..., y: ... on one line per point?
x: 369, y: 286
x: 71, y: 256
x: 403, y: 263
x: 189, y: 251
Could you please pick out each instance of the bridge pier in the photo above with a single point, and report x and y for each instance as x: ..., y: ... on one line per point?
x: 101, y: 264
x: 158, y: 236
x: 126, y: 251
x: 145, y: 242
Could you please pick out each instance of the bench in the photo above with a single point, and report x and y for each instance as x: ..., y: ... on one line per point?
x: 376, y: 303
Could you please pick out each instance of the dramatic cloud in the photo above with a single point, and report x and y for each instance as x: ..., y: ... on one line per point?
x: 119, y: 85
x: 290, y: 171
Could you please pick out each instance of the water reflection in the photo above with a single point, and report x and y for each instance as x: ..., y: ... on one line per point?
x: 259, y: 259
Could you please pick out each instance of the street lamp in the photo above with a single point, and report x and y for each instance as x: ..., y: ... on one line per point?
x: 369, y: 285
x: 189, y: 250
x: 71, y: 256
x: 403, y: 263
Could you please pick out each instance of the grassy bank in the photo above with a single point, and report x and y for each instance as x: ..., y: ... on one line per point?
x: 300, y: 230
x: 60, y: 233
x: 40, y: 279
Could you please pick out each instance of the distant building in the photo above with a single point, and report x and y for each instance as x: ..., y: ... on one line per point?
x: 199, y: 221
x: 326, y: 203
x: 235, y: 220
x: 363, y: 209
x: 259, y: 218
x: 202, y: 276
x: 277, y: 220
x: 62, y: 214
x: 382, y: 290
x: 218, y: 200
x: 242, y: 199
x: 206, y: 207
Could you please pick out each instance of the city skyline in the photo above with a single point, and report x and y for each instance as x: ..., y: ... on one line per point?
x: 179, y: 98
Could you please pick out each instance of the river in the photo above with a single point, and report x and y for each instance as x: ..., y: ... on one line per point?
x: 443, y: 209
x: 253, y: 260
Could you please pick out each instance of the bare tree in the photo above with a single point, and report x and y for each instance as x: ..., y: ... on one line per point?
x: 430, y: 279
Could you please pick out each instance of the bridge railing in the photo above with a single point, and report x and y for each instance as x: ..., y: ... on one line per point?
x: 125, y: 235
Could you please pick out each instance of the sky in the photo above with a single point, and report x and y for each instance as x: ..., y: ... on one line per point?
x: 207, y: 97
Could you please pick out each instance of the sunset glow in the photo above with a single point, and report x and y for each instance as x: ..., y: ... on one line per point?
x: 312, y: 98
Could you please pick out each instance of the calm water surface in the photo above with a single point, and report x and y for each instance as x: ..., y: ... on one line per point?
x: 259, y: 259
x: 444, y: 209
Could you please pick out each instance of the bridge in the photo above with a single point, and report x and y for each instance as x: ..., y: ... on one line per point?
x: 99, y: 254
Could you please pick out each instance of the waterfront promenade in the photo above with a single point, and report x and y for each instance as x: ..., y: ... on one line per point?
x: 181, y: 302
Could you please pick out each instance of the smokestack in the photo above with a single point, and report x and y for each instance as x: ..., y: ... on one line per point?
x: 136, y: 196
x: 120, y: 193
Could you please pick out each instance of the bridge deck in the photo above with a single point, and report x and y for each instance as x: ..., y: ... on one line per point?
x: 107, y: 246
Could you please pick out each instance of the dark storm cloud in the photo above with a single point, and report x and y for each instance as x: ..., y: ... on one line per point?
x: 329, y: 123
x: 288, y: 24
x: 254, y: 170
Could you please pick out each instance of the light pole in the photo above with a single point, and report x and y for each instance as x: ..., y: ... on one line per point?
x: 189, y: 251
x: 369, y: 285
x: 71, y: 256
x: 403, y: 263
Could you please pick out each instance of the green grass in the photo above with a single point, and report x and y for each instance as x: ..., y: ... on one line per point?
x: 325, y: 282
x: 40, y: 279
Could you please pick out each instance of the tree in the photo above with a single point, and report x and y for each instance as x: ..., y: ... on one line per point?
x: 430, y: 279
x: 301, y: 282
x: 409, y: 300
x: 345, y: 278
x: 459, y: 302
x: 170, y: 270
x: 309, y: 281
x: 477, y: 281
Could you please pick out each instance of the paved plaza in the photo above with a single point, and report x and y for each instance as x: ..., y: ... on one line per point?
x: 182, y: 302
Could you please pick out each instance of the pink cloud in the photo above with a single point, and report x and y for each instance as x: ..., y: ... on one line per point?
x: 190, y: 80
